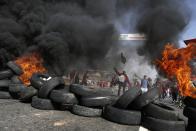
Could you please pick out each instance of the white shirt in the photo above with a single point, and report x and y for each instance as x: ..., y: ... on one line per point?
x: 121, y: 78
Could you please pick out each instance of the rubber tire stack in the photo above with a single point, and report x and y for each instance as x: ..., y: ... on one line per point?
x: 12, y: 87
x: 161, y: 117
x: 4, y: 84
x: 132, y: 108
x: 42, y: 100
x: 119, y: 113
x: 17, y: 89
x: 156, y: 117
x: 64, y: 98
x: 7, y: 78
x: 190, y: 112
x: 91, y: 101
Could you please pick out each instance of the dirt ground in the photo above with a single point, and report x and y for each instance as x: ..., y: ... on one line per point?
x: 17, y: 116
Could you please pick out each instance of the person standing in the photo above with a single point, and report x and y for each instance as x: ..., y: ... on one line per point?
x: 123, y: 81
x: 72, y: 76
x: 136, y: 83
x: 150, y: 84
x: 114, y: 80
x: 144, y: 84
x: 76, y: 78
x: 127, y: 81
x: 174, y: 91
x: 121, y: 84
x: 159, y: 85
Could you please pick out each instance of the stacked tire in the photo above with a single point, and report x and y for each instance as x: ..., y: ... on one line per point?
x: 91, y: 101
x: 17, y: 89
x: 132, y: 108
x: 4, y: 88
x: 45, y: 86
x: 119, y: 111
x: 63, y: 98
x: 157, y: 116
x: 5, y: 81
x: 8, y: 78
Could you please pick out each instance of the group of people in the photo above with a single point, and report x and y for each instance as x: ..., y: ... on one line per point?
x: 166, y: 88
x: 74, y: 78
x: 123, y: 81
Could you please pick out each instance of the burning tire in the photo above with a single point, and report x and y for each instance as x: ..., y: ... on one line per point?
x: 127, y: 98
x: 190, y: 112
x: 27, y: 94
x: 49, y: 86
x: 145, y: 99
x: 190, y: 102
x: 122, y: 116
x: 100, y: 101
x: 162, y: 125
x: 86, y: 111
x: 63, y: 97
x: 161, y: 111
x: 4, y: 85
x: 86, y: 91
x: 37, y: 80
x: 14, y: 67
x: 16, y: 80
x: 5, y: 74
x: 5, y: 95
x: 43, y: 104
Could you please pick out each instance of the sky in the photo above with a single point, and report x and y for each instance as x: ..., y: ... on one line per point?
x: 190, y: 30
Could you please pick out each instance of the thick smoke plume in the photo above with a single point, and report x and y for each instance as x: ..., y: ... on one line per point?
x: 83, y: 33
x: 68, y: 33
x: 162, y: 21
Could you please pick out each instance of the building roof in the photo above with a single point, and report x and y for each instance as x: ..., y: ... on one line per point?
x: 190, y: 41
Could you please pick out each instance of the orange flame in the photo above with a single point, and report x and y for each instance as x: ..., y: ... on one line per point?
x: 175, y: 63
x: 30, y: 63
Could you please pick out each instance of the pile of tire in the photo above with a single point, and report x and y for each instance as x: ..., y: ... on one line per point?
x: 119, y: 112
x: 161, y: 117
x: 12, y: 87
x: 135, y: 108
x: 190, y: 112
x: 51, y: 92
x: 132, y: 108
x: 157, y: 116
x: 91, y: 102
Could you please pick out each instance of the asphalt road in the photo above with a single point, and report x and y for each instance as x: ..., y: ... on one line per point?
x: 17, y: 116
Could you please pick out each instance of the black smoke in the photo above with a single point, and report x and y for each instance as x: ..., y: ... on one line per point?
x: 161, y: 21
x: 79, y: 33
x: 68, y: 33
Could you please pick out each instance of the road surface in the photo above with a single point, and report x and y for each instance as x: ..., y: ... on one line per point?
x: 17, y: 116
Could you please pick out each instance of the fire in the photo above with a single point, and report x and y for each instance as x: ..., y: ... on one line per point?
x: 175, y: 63
x: 30, y: 63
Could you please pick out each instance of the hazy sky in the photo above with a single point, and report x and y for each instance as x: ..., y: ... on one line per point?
x: 190, y: 31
